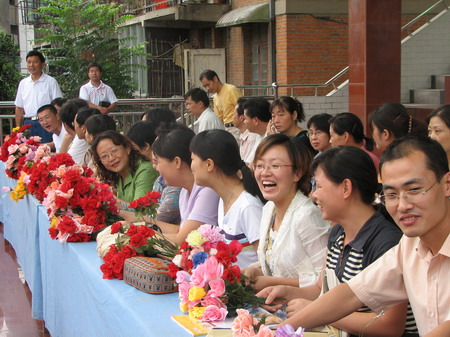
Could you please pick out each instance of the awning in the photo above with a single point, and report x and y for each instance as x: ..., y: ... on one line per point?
x: 247, y: 14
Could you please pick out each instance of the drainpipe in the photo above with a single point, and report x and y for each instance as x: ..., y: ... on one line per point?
x: 273, y: 51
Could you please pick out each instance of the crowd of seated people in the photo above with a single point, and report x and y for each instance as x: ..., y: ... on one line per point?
x: 302, y: 197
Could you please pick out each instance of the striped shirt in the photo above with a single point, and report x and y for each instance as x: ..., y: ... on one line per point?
x: 376, y: 237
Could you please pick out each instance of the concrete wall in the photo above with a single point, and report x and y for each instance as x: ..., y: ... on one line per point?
x: 425, y: 53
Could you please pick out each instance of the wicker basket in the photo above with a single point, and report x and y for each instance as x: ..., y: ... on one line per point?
x: 148, y: 274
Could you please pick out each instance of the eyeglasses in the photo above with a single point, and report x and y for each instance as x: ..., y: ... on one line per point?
x: 43, y: 119
x: 412, y: 195
x: 114, y: 152
x: 270, y: 167
x: 315, y: 133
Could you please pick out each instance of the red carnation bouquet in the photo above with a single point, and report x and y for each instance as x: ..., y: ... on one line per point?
x: 210, y: 283
x: 137, y: 240
x: 77, y: 204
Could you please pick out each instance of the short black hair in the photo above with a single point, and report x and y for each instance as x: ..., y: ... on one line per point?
x: 198, y: 95
x: 47, y: 107
x: 174, y: 142
x: 36, y: 53
x: 362, y: 172
x: 321, y: 122
x: 258, y: 107
x: 347, y: 122
x: 96, y: 124
x: 159, y: 116
x: 240, y: 105
x: 84, y: 113
x: 59, y: 101
x: 436, y: 157
x: 94, y: 64
x: 209, y: 75
x: 70, y: 109
x: 142, y: 133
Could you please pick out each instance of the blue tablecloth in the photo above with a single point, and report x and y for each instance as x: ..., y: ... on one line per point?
x: 67, y: 286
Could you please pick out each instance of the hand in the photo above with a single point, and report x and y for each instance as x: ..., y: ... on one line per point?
x: 103, y: 110
x: 270, y: 128
x: 272, y: 293
x: 251, y: 273
x: 296, y: 305
x: 262, y: 282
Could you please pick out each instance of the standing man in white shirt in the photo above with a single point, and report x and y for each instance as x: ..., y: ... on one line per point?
x: 197, y: 103
x: 96, y: 93
x: 48, y: 118
x: 33, y: 92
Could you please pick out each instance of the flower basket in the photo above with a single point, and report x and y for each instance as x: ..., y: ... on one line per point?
x: 149, y: 274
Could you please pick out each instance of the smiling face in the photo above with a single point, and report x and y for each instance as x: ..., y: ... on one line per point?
x: 114, y: 157
x: 167, y: 168
x: 328, y: 196
x: 200, y: 170
x: 49, y: 121
x: 440, y: 132
x: 320, y: 140
x: 283, y: 120
x: 34, y: 65
x: 278, y: 185
x: 428, y: 214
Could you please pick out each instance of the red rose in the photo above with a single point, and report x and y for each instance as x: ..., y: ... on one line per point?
x: 137, y: 240
x: 115, y: 227
x: 128, y: 251
x: 132, y: 230
x: 172, y: 270
x: 78, y: 237
x: 107, y: 271
x: 146, y: 232
x: 53, y: 233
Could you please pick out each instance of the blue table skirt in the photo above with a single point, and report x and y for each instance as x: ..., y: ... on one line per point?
x: 67, y: 286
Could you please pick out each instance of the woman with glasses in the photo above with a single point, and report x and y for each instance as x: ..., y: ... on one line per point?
x: 344, y: 194
x: 216, y: 163
x: 319, y: 132
x: 119, y: 164
x: 293, y: 235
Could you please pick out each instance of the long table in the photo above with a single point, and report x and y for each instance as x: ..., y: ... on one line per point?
x: 68, y: 291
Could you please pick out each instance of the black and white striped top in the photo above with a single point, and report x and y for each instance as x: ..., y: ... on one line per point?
x: 376, y: 237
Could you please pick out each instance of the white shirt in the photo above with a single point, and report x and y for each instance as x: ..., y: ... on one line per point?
x: 208, y: 120
x: 31, y: 95
x: 241, y: 223
x: 95, y: 95
x: 251, y: 154
x: 78, y: 149
x: 57, y: 139
x: 246, y: 143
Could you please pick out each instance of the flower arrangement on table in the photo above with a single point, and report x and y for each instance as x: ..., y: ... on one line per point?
x: 210, y: 285
x: 245, y: 325
x: 77, y: 204
x: 136, y: 240
x: 18, y: 149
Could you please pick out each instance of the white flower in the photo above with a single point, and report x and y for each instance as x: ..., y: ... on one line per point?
x: 177, y: 260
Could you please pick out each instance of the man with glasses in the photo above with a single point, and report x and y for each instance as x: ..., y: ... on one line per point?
x: 48, y: 118
x: 416, y: 192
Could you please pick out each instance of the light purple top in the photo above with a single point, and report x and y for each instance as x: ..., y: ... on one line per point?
x: 201, y: 205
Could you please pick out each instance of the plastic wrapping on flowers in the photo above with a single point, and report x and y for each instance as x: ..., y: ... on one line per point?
x: 210, y: 285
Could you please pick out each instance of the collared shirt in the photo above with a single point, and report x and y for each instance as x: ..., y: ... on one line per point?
x: 251, y: 154
x: 208, y: 120
x: 78, y: 149
x: 246, y: 142
x: 409, y: 271
x: 95, y: 95
x: 31, y: 95
x: 57, y: 139
x: 225, y: 102
x: 137, y: 184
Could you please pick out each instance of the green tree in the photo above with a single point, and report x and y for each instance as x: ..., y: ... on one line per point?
x: 9, y: 70
x: 80, y: 32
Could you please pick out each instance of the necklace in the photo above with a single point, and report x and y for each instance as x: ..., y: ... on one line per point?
x: 225, y: 208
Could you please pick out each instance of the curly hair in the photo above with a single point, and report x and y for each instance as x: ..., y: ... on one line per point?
x: 106, y: 176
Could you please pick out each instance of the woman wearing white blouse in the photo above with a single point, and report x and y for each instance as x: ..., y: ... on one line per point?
x: 293, y: 235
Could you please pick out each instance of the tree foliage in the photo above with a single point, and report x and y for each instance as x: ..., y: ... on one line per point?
x: 84, y: 31
x: 9, y: 70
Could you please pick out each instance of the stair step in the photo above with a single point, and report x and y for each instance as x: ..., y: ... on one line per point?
x: 437, y: 81
x: 427, y: 96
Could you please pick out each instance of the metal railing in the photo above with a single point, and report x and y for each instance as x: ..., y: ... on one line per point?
x: 425, y: 14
